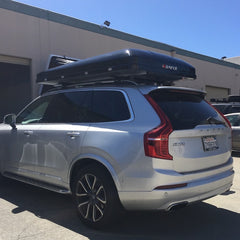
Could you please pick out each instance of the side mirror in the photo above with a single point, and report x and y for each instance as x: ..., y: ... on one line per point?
x: 11, y: 120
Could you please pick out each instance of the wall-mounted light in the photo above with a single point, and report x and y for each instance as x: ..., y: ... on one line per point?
x: 105, y: 24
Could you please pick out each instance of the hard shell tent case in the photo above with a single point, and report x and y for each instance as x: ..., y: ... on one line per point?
x: 129, y: 64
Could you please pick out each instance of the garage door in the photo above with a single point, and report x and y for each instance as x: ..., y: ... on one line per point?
x: 15, y: 90
x: 217, y: 92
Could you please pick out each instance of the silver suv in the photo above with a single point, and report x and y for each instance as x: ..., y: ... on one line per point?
x: 120, y: 146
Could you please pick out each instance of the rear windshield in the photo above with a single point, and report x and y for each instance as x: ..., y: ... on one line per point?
x: 185, y: 110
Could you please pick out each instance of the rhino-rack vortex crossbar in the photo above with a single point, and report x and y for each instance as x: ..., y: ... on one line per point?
x: 135, y: 65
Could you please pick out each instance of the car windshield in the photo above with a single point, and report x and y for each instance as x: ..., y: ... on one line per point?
x: 227, y: 108
x: 234, y: 119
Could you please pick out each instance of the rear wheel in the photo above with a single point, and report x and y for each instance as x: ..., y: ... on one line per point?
x: 1, y: 177
x: 96, y: 197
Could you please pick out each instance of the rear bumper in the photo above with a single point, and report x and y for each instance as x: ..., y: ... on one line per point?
x: 195, y: 190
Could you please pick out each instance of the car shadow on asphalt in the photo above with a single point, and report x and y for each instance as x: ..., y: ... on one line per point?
x: 197, y: 221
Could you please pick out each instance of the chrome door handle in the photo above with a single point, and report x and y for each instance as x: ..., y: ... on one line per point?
x: 28, y: 133
x: 73, y: 134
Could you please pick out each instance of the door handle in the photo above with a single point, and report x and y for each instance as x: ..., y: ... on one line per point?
x: 73, y: 135
x: 28, y: 133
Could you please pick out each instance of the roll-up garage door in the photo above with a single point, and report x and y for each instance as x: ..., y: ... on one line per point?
x: 15, y: 89
x: 216, y: 92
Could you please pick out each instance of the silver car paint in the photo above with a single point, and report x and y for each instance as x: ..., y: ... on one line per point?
x: 235, y: 130
x: 50, y: 150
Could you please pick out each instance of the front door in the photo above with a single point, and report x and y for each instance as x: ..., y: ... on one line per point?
x: 60, y: 135
x: 21, y: 150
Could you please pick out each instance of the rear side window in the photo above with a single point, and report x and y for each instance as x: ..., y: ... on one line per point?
x: 108, y: 106
x: 184, y: 110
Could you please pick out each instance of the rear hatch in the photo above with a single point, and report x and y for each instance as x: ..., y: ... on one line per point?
x: 199, y: 137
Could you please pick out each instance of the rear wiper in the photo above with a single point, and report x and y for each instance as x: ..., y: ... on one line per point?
x: 212, y: 120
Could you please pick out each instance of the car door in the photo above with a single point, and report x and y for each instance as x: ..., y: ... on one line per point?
x: 21, y: 143
x: 60, y: 136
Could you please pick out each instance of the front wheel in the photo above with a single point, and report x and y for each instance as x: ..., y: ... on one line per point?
x: 96, y: 197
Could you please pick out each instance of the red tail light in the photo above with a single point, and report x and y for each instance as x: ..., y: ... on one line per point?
x: 156, y: 140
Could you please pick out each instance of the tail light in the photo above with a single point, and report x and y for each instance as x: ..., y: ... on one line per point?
x: 156, y: 140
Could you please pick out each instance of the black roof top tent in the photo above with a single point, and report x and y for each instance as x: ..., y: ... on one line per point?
x: 128, y: 64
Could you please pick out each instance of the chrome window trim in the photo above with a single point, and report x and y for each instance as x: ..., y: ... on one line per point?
x: 87, y: 90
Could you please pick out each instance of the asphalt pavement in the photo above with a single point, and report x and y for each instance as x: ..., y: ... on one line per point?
x: 31, y: 213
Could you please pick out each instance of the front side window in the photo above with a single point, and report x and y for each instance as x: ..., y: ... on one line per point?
x: 34, y: 113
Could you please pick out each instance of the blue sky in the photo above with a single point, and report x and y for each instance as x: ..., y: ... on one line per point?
x: 208, y: 27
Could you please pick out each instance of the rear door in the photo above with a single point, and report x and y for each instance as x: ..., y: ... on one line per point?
x: 200, y: 138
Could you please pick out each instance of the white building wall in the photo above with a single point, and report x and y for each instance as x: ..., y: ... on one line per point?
x: 30, y: 37
x: 211, y: 74
x: 27, y: 36
x: 233, y: 60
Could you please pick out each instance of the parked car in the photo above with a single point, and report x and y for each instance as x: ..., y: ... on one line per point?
x: 234, y: 119
x: 226, y: 108
x: 125, y: 144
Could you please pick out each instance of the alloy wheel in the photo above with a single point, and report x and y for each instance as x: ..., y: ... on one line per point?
x: 91, y: 197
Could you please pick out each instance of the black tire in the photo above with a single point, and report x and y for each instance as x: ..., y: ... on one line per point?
x: 96, y: 197
x: 1, y: 177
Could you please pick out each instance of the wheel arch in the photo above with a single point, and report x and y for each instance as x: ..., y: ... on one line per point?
x: 88, y: 160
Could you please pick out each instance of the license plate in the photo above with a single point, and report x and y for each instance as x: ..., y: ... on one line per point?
x: 209, y: 143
